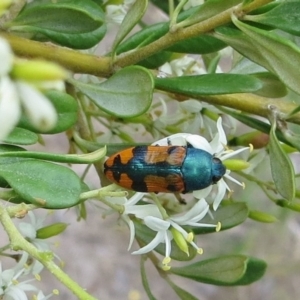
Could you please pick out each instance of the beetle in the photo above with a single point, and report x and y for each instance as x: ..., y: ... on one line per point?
x: 167, y: 169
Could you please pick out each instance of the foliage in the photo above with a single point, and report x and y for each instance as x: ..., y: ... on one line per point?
x: 223, y: 72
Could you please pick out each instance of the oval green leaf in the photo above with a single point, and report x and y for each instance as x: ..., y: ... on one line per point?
x: 229, y: 216
x: 278, y: 55
x: 145, y: 281
x: 134, y: 14
x: 285, y: 16
x: 209, y: 9
x: 209, y: 84
x: 127, y: 93
x: 282, y: 169
x: 67, y: 112
x: 226, y: 270
x: 21, y: 136
x: 59, y: 22
x: 42, y: 183
x: 181, y: 293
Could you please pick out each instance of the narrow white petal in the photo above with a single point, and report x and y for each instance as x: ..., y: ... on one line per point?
x: 199, y: 142
x: 202, y: 193
x: 159, y: 238
x: 142, y: 211
x: 220, y: 140
x: 197, y: 212
x: 132, y: 231
x: 233, y: 153
x: 10, y: 111
x: 222, y: 186
x: 39, y: 108
x: 6, y: 57
x: 135, y: 198
x: 156, y: 224
x: 168, y: 243
x: 233, y: 180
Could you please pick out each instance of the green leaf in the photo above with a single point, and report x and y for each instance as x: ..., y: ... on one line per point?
x: 209, y: 84
x: 201, y: 44
x: 21, y: 136
x: 86, y: 158
x: 272, y: 86
x: 285, y: 16
x: 134, y: 14
x: 8, y: 148
x: 146, y: 235
x: 145, y: 281
x: 230, y: 215
x: 126, y: 94
x: 181, y: 293
x: 282, y: 170
x: 209, y: 9
x: 77, y: 24
x: 226, y: 270
x: 42, y: 183
x: 278, y: 55
x: 163, y: 5
x: 255, y: 270
x: 67, y: 112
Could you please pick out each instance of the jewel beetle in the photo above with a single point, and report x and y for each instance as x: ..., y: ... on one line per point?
x: 167, y: 169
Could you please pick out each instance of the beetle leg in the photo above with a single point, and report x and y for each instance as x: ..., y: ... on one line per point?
x: 179, y: 198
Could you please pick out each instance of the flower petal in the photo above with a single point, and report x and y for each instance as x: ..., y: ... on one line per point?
x: 220, y: 140
x: 10, y: 111
x: 39, y: 108
x: 159, y: 238
x: 6, y: 57
x: 196, y: 213
x: 202, y: 193
x: 199, y: 142
x: 222, y: 186
x: 156, y: 224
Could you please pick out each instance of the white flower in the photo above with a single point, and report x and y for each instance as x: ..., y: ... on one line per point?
x: 10, y: 110
x: 11, y: 288
x: 130, y: 208
x: 116, y: 13
x: 39, y: 109
x: 163, y: 227
x: 216, y: 147
x: 29, y: 229
x: 185, y: 65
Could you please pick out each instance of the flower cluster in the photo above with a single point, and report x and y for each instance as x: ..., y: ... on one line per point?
x: 17, y: 282
x: 173, y: 227
x: 20, y: 81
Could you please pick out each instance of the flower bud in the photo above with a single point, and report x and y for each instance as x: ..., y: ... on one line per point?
x: 37, y: 70
x: 4, y: 4
x: 262, y: 217
x: 51, y: 230
x: 236, y: 164
x: 180, y: 240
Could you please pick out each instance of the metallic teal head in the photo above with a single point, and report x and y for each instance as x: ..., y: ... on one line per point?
x: 218, y: 170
